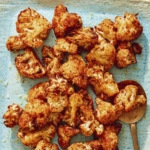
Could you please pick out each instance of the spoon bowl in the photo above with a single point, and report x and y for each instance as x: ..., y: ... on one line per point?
x: 135, y: 115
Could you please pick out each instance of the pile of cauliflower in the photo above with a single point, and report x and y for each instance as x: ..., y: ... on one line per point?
x: 62, y: 105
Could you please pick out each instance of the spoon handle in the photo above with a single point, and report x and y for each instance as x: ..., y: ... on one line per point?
x: 133, y: 129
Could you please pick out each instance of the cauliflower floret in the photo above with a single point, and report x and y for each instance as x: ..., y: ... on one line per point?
x: 62, y: 45
x: 60, y: 85
x: 74, y: 70
x: 39, y: 112
x: 129, y: 98
x: 125, y: 55
x: 92, y: 145
x: 11, y: 116
x: 32, y: 138
x: 109, y: 138
x: 63, y: 22
x: 70, y: 116
x: 15, y: 43
x: 32, y: 27
x: 54, y: 118
x: 137, y: 48
x: 84, y: 37
x: 37, y: 92
x: 107, y: 30
x: 88, y: 121
x: 65, y: 133
x: 102, y: 82
x: 102, y: 54
x: 29, y: 65
x: 106, y: 113
x: 128, y: 27
x: 57, y: 101
x: 44, y: 145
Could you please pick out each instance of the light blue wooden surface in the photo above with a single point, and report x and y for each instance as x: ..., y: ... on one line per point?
x: 13, y: 90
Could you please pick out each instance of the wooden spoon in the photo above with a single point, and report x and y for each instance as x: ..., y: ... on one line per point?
x: 135, y: 115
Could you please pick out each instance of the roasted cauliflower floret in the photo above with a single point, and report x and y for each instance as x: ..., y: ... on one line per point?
x: 32, y: 27
x: 62, y: 45
x: 15, y: 43
x: 29, y: 65
x: 65, y: 133
x: 63, y: 22
x: 88, y: 121
x: 106, y: 113
x: 128, y: 27
x: 37, y: 92
x: 38, y: 111
x: 103, y: 83
x: 84, y: 37
x: 125, y: 55
x: 107, y: 30
x: 102, y: 54
x: 32, y: 138
x: 60, y: 85
x: 71, y: 112
x: 54, y: 118
x: 109, y: 138
x: 11, y: 116
x: 129, y: 98
x: 74, y: 70
x: 45, y: 145
x: 57, y: 101
x: 91, y: 145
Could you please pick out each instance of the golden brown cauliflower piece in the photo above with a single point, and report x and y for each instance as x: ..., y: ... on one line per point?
x: 128, y: 27
x: 129, y: 98
x: 37, y: 92
x: 63, y: 22
x: 109, y: 138
x: 32, y: 27
x: 29, y: 65
x: 60, y: 85
x: 103, y: 54
x: 62, y: 45
x: 11, y: 116
x: 32, y: 138
x: 74, y: 70
x: 37, y: 112
x: 102, y: 82
x: 84, y: 37
x: 65, y: 133
x: 125, y: 55
x: 45, y: 145
x: 107, y: 30
x: 57, y: 101
x: 106, y: 113
x: 71, y: 112
x: 91, y: 145
x: 88, y: 121
x: 15, y: 43
x: 54, y: 118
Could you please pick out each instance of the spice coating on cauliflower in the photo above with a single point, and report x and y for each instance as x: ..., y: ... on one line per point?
x: 84, y: 37
x: 128, y: 27
x: 32, y: 27
x: 102, y: 54
x: 74, y: 70
x: 129, y: 98
x: 15, y: 43
x: 106, y: 113
x: 63, y: 22
x: 92, y: 145
x: 29, y: 65
x: 11, y: 116
x: 65, y: 133
x: 107, y: 30
x: 44, y: 145
x: 102, y: 82
x: 32, y: 138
